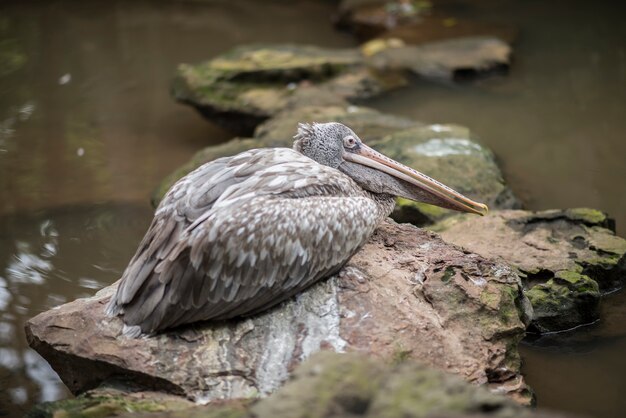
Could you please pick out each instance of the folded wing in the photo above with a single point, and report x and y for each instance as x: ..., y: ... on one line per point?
x: 239, y: 235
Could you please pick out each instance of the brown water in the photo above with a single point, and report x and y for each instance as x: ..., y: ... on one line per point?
x: 87, y: 129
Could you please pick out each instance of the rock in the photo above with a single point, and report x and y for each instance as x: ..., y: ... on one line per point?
x: 449, y: 154
x: 109, y: 402
x: 332, y: 385
x: 369, y: 124
x: 565, y: 301
x: 247, y: 85
x: 451, y: 59
x: 567, y: 257
x: 351, y: 385
x: 414, y: 22
x: 440, y: 28
x: 406, y: 294
x: 244, y: 87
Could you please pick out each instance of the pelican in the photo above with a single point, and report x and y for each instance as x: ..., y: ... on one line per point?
x: 240, y: 234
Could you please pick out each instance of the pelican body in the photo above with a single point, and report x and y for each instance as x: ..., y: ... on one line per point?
x: 240, y: 234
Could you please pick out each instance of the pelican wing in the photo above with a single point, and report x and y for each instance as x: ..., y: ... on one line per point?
x: 242, y: 246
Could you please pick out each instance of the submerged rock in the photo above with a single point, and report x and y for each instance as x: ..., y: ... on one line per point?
x: 406, y: 294
x: 568, y: 257
x: 243, y: 87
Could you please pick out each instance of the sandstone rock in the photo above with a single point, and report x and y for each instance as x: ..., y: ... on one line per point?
x: 406, y: 294
x: 567, y: 256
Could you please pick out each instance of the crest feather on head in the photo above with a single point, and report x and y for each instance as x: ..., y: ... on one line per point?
x: 305, y: 132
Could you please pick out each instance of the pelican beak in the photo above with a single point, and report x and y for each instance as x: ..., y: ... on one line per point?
x: 438, y: 193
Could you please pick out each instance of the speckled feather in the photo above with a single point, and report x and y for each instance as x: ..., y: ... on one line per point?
x: 241, y: 234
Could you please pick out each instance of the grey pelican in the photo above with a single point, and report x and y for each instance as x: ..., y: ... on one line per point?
x: 240, y: 234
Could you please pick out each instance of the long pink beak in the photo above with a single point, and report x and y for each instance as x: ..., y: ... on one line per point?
x: 440, y: 192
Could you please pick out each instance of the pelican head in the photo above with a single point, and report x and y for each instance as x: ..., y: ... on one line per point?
x: 335, y: 145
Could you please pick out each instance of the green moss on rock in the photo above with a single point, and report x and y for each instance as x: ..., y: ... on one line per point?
x: 351, y: 385
x: 587, y: 215
x: 567, y: 300
x: 108, y: 403
x: 247, y: 85
x: 279, y: 131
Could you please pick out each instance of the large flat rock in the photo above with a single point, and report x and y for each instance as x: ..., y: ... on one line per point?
x: 406, y: 294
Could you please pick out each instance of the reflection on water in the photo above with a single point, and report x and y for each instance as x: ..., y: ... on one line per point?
x: 48, y: 258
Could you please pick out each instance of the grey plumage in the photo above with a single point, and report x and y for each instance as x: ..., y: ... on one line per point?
x: 243, y: 233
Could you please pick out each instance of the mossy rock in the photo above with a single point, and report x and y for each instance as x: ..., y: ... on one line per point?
x: 449, y: 154
x: 369, y: 124
x: 568, y: 257
x: 249, y: 84
x: 107, y: 402
x: 353, y: 385
x: 565, y: 301
x: 444, y: 152
x: 327, y: 385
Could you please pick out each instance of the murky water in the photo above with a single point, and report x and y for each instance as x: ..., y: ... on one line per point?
x: 87, y: 129
x: 47, y: 258
x: 582, y: 371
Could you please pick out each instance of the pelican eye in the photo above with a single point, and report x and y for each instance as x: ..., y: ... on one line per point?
x: 349, y: 141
